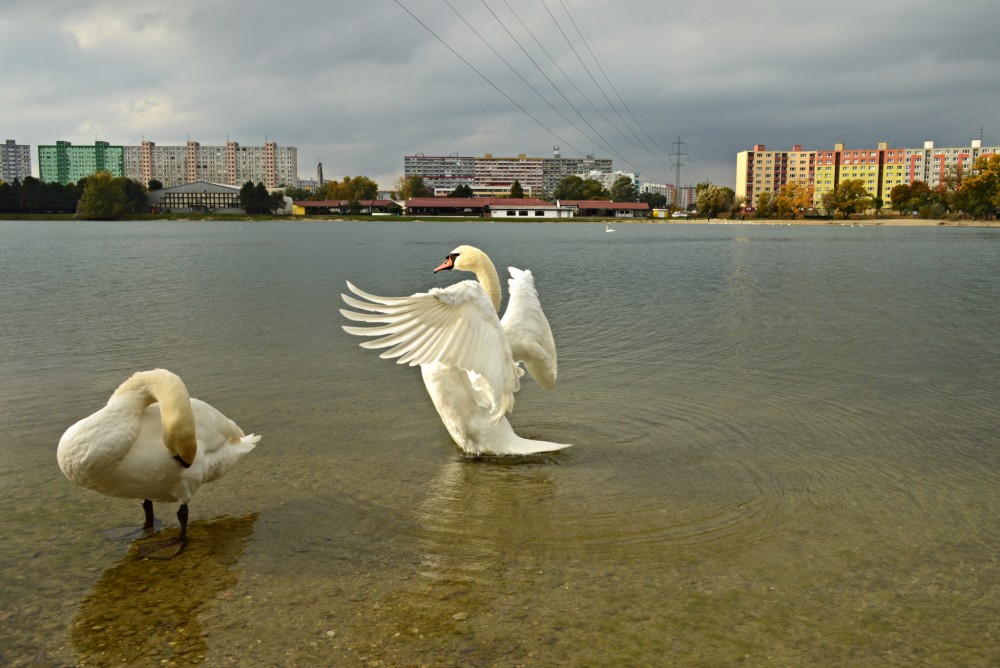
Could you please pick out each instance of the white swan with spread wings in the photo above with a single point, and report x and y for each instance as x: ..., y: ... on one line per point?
x: 468, y: 356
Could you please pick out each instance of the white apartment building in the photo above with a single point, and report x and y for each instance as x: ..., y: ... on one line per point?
x: 231, y: 164
x: 15, y: 161
x: 606, y: 179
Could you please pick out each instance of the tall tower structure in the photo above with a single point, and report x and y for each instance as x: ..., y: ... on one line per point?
x: 677, y: 154
x: 319, y: 174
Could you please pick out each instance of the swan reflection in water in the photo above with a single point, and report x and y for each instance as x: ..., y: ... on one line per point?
x: 146, y: 611
x: 486, y: 515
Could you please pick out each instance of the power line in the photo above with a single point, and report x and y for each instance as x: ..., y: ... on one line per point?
x: 598, y: 85
x: 601, y: 68
x: 568, y: 78
x: 485, y: 78
x: 512, y: 69
x: 552, y: 83
x: 620, y: 89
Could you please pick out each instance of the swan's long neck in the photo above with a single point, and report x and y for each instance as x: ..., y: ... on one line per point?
x: 160, y: 385
x: 487, y: 276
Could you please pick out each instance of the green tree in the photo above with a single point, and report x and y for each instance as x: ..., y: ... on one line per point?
x: 103, y: 198
x: 359, y: 188
x: 592, y: 189
x: 712, y: 200
x: 135, y: 195
x: 8, y: 198
x: 654, y: 200
x: 569, y: 188
x: 623, y: 190
x: 298, y: 194
x: 461, y: 190
x: 256, y: 199
x: 410, y: 187
x: 766, y: 205
x: 155, y: 184
x: 516, y: 191
x: 32, y: 196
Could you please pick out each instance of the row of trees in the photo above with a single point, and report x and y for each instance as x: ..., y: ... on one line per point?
x: 105, y: 197
x: 97, y: 197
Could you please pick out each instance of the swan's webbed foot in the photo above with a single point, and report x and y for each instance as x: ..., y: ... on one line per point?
x: 164, y: 549
x: 167, y: 548
x: 149, y: 528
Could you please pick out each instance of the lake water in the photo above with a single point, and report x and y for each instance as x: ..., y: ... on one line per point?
x: 787, y: 451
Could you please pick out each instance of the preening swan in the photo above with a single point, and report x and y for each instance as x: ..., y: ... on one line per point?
x: 152, y: 442
x: 468, y: 356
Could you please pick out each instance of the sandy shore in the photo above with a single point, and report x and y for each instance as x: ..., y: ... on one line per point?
x: 881, y: 222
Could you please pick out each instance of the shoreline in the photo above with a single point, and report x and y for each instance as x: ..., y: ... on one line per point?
x: 873, y: 222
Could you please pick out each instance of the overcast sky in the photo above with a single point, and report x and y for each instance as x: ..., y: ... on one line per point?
x: 358, y: 85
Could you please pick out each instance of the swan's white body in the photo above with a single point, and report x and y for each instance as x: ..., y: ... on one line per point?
x: 467, y: 355
x: 152, y: 442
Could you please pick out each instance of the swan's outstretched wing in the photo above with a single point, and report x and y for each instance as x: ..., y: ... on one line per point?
x: 528, y: 330
x: 455, y: 326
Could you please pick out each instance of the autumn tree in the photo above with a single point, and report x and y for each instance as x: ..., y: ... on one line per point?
x: 792, y: 199
x: 979, y: 194
x: 848, y: 197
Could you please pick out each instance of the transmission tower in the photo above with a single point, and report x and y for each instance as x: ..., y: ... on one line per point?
x: 678, y: 153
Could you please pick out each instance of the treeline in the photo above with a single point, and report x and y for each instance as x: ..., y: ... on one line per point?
x: 35, y: 196
x: 99, y: 196
x: 105, y: 197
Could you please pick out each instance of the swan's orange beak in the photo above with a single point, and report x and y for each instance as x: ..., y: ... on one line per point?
x: 449, y: 262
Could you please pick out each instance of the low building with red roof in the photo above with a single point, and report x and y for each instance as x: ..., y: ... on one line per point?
x: 606, y: 209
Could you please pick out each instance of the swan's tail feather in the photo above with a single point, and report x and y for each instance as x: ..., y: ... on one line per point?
x: 525, y: 446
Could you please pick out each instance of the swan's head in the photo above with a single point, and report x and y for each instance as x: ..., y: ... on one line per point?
x: 463, y: 258
x: 182, y: 444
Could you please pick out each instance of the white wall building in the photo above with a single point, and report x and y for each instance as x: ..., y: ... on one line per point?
x: 15, y: 161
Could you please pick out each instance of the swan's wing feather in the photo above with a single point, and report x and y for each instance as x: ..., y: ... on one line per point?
x: 528, y: 329
x: 454, y: 326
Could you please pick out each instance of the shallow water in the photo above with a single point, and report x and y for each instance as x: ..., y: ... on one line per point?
x: 786, y: 451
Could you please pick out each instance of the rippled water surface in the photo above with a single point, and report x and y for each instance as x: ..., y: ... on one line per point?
x: 787, y: 451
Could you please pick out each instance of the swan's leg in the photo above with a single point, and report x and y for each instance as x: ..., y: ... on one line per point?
x: 169, y: 547
x: 131, y: 533
x: 148, y: 528
x: 182, y: 517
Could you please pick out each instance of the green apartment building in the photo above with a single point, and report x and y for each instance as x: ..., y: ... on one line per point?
x: 64, y: 163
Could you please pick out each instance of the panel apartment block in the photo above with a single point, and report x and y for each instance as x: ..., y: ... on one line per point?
x: 15, y: 161
x: 64, y: 163
x: 232, y: 164
x: 441, y: 171
x: 880, y: 169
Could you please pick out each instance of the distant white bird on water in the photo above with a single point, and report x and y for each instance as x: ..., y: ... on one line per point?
x: 152, y: 442
x: 468, y: 356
